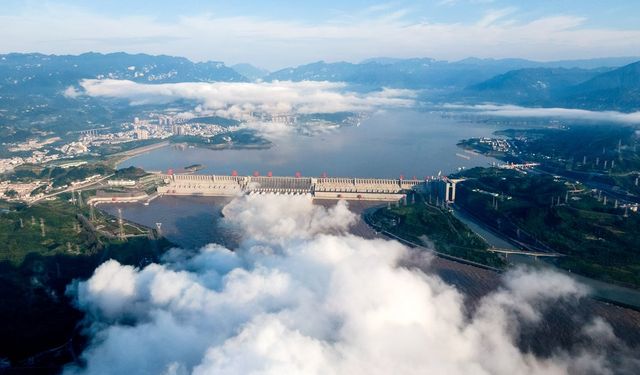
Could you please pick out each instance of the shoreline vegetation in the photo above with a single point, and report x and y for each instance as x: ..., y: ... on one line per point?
x: 227, y: 146
x: 238, y: 139
x: 428, y: 226
x: 598, y: 240
x: 44, y: 248
x: 581, y: 200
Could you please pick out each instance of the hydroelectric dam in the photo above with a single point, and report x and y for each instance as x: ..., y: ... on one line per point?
x: 319, y: 188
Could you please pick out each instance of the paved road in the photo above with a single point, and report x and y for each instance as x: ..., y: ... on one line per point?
x: 73, y: 188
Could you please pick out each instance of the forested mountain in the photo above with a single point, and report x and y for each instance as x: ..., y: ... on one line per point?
x: 594, y: 89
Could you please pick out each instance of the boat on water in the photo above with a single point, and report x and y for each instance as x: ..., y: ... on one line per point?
x: 194, y: 167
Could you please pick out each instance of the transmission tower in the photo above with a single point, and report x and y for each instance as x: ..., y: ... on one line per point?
x: 121, y: 226
x: 42, y: 230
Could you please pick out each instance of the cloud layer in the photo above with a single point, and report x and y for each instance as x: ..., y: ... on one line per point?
x: 552, y: 113
x: 238, y: 100
x: 300, y: 296
x: 273, y: 42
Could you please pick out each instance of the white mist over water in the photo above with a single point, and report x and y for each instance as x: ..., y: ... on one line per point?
x: 302, y: 296
x: 238, y: 99
x: 514, y: 111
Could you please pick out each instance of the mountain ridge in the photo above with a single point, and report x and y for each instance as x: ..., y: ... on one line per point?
x: 425, y: 72
x: 595, y: 89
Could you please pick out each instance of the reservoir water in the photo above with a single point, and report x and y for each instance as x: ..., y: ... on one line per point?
x: 386, y: 145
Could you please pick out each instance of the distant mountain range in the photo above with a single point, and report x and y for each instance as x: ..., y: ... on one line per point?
x: 609, y: 83
x: 408, y: 73
x: 618, y: 89
x: 531, y: 84
x: 250, y: 71
x: 595, y: 89
x: 34, y: 71
x: 427, y: 73
x: 29, y: 71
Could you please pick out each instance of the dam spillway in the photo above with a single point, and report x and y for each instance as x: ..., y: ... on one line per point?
x: 319, y: 188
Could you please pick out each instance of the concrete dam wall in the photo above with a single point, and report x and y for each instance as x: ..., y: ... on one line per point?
x: 320, y: 188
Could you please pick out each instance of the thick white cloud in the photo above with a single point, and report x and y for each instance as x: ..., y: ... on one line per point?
x: 275, y: 42
x: 237, y: 100
x: 554, y: 113
x: 300, y: 297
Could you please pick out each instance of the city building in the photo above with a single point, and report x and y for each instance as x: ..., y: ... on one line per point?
x: 141, y: 134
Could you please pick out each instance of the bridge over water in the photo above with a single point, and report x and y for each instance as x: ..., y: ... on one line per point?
x: 320, y: 188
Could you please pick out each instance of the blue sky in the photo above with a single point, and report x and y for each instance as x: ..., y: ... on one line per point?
x: 611, y: 13
x: 279, y: 33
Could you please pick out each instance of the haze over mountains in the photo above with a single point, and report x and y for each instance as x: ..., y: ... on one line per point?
x: 617, y: 89
x: 599, y: 84
x: 250, y: 71
x: 420, y: 73
x: 531, y: 84
x: 596, y: 84
x: 38, y: 71
x: 594, y: 89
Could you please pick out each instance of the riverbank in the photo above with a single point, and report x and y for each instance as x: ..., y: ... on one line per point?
x: 607, y: 292
x: 120, y: 157
x: 241, y: 139
x: 433, y: 229
x: 232, y: 146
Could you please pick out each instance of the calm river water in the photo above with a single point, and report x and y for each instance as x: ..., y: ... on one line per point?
x: 385, y: 145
